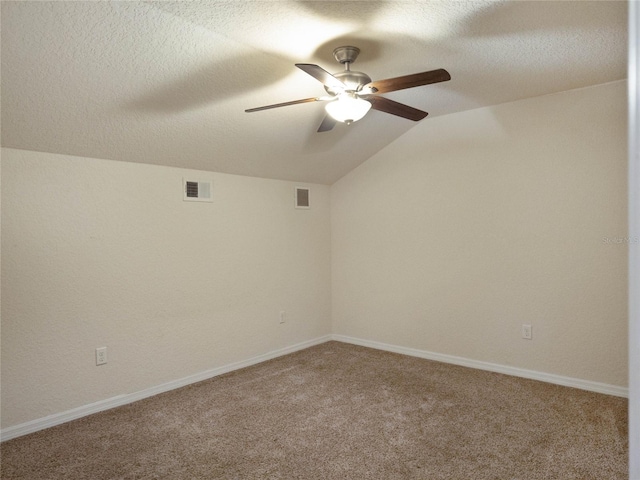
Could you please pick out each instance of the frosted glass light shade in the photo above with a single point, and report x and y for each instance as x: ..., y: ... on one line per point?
x: 348, y: 108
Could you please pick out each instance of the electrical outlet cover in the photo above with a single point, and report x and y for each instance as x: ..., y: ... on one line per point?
x: 101, y: 355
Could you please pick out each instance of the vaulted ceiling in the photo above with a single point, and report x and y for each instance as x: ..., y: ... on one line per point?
x: 167, y: 82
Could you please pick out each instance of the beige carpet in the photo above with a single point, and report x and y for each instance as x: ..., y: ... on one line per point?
x: 339, y: 411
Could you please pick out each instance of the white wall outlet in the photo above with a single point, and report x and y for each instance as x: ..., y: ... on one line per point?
x: 101, y: 355
x: 282, y: 316
x: 526, y: 331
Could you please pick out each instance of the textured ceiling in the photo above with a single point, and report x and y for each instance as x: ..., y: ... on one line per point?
x: 167, y: 83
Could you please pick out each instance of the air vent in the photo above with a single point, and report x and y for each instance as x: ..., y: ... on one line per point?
x: 302, y: 197
x: 197, y: 191
x: 192, y: 189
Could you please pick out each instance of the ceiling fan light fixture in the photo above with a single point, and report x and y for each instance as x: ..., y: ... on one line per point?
x: 352, y: 94
x: 348, y: 108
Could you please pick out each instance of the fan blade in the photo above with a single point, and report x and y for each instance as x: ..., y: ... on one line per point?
x: 321, y: 75
x: 409, y: 81
x: 395, y: 108
x: 285, y: 104
x: 327, y: 124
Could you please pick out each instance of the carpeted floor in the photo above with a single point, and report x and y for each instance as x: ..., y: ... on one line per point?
x: 339, y: 411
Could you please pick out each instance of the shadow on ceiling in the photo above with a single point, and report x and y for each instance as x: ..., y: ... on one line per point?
x: 212, y: 83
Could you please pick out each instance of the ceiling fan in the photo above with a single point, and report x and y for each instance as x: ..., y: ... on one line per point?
x: 352, y: 94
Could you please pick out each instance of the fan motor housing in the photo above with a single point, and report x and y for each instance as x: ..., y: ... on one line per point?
x: 353, y: 80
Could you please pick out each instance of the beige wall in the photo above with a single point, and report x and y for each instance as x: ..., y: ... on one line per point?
x: 446, y: 241
x: 99, y: 253
x: 473, y: 224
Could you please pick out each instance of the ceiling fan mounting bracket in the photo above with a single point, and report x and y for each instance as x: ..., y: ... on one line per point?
x: 346, y: 54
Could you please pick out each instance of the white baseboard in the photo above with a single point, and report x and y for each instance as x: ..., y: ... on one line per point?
x: 79, y: 412
x: 491, y: 367
x: 83, y: 411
